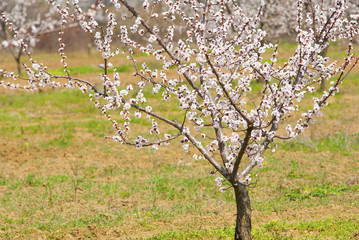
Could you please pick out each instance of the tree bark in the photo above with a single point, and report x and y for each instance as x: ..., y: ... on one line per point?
x: 243, y: 220
x: 18, y: 66
x: 323, y: 83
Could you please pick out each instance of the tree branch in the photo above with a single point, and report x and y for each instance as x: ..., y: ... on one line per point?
x: 242, y: 151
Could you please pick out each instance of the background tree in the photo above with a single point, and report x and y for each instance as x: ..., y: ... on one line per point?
x: 279, y: 18
x: 28, y: 21
x: 222, y: 118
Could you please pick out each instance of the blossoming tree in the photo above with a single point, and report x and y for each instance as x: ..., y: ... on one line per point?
x: 279, y: 18
x: 27, y: 23
x: 216, y: 59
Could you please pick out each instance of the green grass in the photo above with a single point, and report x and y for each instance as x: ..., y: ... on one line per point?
x: 321, y: 191
x: 335, y: 228
x: 223, y: 233
x: 174, y: 185
x: 60, y: 142
x: 89, y: 69
x: 59, y: 106
x: 339, y: 143
x: 62, y: 103
x: 328, y: 228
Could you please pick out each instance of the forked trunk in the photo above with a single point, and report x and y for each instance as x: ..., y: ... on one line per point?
x: 243, y: 220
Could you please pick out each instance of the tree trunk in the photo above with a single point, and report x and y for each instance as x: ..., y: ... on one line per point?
x: 323, y: 83
x: 243, y: 220
x: 18, y: 66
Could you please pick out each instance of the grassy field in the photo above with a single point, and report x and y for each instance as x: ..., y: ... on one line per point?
x: 60, y: 179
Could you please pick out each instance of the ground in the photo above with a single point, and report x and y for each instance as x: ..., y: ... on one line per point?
x: 61, y: 179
